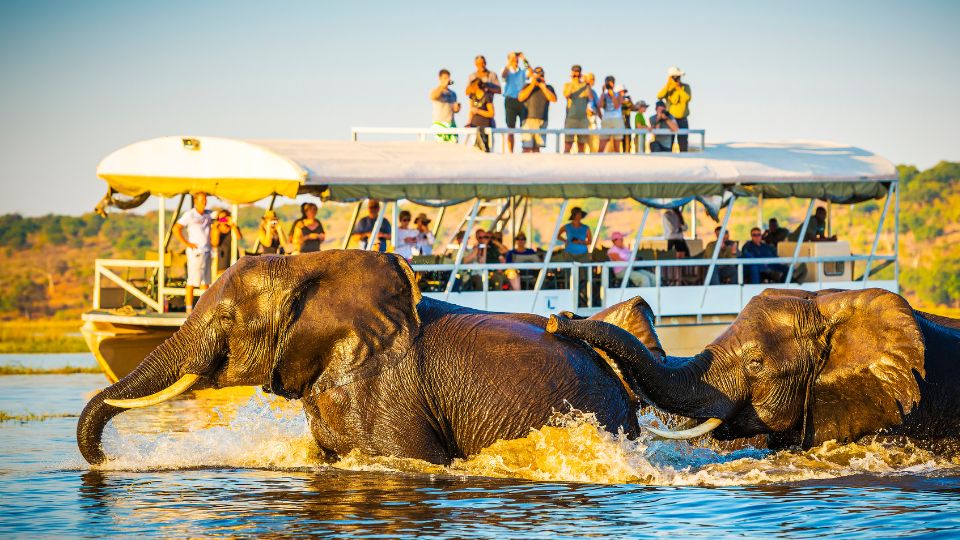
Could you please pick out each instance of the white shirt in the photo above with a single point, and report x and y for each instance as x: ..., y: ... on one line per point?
x: 672, y: 228
x: 404, y: 248
x: 196, y: 228
x: 425, y: 243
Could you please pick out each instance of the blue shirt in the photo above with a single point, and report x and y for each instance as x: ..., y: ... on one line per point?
x: 515, y: 82
x: 575, y: 233
x: 365, y: 225
x: 753, y: 251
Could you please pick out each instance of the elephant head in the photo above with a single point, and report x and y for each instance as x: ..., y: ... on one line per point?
x: 287, y: 323
x: 802, y: 367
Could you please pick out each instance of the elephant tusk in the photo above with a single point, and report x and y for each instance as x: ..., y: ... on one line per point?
x: 166, y: 394
x: 695, y: 431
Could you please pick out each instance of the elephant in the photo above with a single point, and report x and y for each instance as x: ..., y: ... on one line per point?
x: 377, y: 366
x: 801, y: 368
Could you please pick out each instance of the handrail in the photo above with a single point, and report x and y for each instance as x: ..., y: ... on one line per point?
x: 423, y: 132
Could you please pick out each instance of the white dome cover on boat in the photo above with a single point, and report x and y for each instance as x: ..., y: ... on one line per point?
x: 245, y: 171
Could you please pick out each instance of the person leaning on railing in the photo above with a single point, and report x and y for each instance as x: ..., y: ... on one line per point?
x: 662, y: 120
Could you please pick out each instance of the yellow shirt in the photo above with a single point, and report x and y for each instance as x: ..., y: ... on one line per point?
x: 677, y: 99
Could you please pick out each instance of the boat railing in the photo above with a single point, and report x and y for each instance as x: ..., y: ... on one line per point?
x: 142, y: 291
x: 595, y: 288
x: 498, y: 140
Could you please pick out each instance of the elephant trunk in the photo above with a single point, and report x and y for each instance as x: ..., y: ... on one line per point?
x: 675, y: 387
x: 160, y: 370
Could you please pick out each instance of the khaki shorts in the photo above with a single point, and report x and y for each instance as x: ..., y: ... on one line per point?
x: 198, y: 267
x: 530, y: 139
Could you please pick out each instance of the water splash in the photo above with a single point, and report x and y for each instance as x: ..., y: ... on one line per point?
x: 269, y: 432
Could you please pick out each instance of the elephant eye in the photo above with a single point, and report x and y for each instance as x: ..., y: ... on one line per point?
x: 755, y: 364
x: 226, y: 317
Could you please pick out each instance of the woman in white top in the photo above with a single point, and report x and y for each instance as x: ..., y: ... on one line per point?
x: 406, y: 237
x: 425, y: 237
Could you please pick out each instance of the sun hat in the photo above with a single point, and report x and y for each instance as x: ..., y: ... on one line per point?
x: 674, y: 71
x: 575, y: 210
x: 421, y: 218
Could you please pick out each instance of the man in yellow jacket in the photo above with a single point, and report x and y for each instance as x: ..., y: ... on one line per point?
x: 677, y: 96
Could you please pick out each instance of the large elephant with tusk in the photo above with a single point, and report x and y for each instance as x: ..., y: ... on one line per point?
x: 801, y: 367
x: 378, y: 368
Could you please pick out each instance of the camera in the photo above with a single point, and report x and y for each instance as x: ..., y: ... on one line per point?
x: 482, y: 246
x: 274, y: 222
x: 450, y: 83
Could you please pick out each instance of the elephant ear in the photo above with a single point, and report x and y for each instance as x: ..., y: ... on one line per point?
x: 866, y: 382
x: 634, y: 316
x: 351, y: 319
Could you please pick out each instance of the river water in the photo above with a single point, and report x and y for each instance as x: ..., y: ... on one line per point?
x: 243, y: 464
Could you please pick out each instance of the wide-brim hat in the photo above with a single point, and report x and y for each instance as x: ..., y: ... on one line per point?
x: 575, y: 210
x: 422, y: 218
x: 674, y: 71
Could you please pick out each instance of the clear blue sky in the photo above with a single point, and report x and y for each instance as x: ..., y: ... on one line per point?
x: 81, y: 79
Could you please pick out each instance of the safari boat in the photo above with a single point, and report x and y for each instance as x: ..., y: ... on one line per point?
x: 137, y: 303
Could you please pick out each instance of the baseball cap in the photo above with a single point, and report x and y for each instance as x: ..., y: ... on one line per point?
x: 616, y: 236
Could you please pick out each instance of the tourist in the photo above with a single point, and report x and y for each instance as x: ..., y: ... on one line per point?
x: 406, y: 237
x: 514, y: 79
x: 425, y: 238
x: 626, y: 105
x: 593, y: 113
x: 308, y: 233
x: 673, y: 228
x: 727, y: 273
x: 662, y: 120
x: 365, y: 226
x: 677, y: 95
x: 775, y: 233
x: 575, y: 234
x: 578, y: 96
x: 270, y: 235
x: 488, y: 77
x: 640, y: 122
x: 757, y: 249
x: 445, y: 106
x: 481, y: 112
x: 480, y: 254
x: 612, y: 118
x: 223, y: 231
x: 620, y: 252
x: 193, y: 229
x: 537, y: 96
x: 816, y: 228
x: 519, y: 252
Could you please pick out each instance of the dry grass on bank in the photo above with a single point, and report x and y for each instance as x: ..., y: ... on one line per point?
x: 41, y: 336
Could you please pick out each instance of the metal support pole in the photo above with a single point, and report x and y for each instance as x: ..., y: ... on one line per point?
x: 896, y: 234
x: 715, y: 255
x: 436, y: 227
x: 462, y: 248
x: 542, y: 275
x: 528, y: 213
x: 876, y: 238
x: 234, y: 241
x: 760, y: 210
x: 633, y: 252
x: 596, y: 233
x: 693, y: 218
x: 161, y: 251
x: 803, y: 234
x: 829, y: 218
x: 396, y: 223
x: 353, y: 223
x: 372, y: 240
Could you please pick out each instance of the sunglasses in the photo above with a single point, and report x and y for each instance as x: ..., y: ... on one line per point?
x: 755, y: 234
x: 484, y: 237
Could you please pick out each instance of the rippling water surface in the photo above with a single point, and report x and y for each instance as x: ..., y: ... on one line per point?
x: 241, y: 463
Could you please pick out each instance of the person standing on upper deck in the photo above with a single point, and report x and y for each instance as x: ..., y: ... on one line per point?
x: 444, y: 105
x: 662, y: 120
x: 578, y: 94
x: 677, y: 96
x: 488, y: 77
x: 481, y: 111
x: 611, y: 101
x: 365, y: 226
x: 593, y: 112
x: 576, y: 235
x: 193, y: 229
x: 537, y: 96
x: 515, y: 78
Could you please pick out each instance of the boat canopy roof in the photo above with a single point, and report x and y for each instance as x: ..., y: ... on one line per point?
x: 247, y: 171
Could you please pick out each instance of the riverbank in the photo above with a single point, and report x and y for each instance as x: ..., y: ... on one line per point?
x: 41, y: 336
